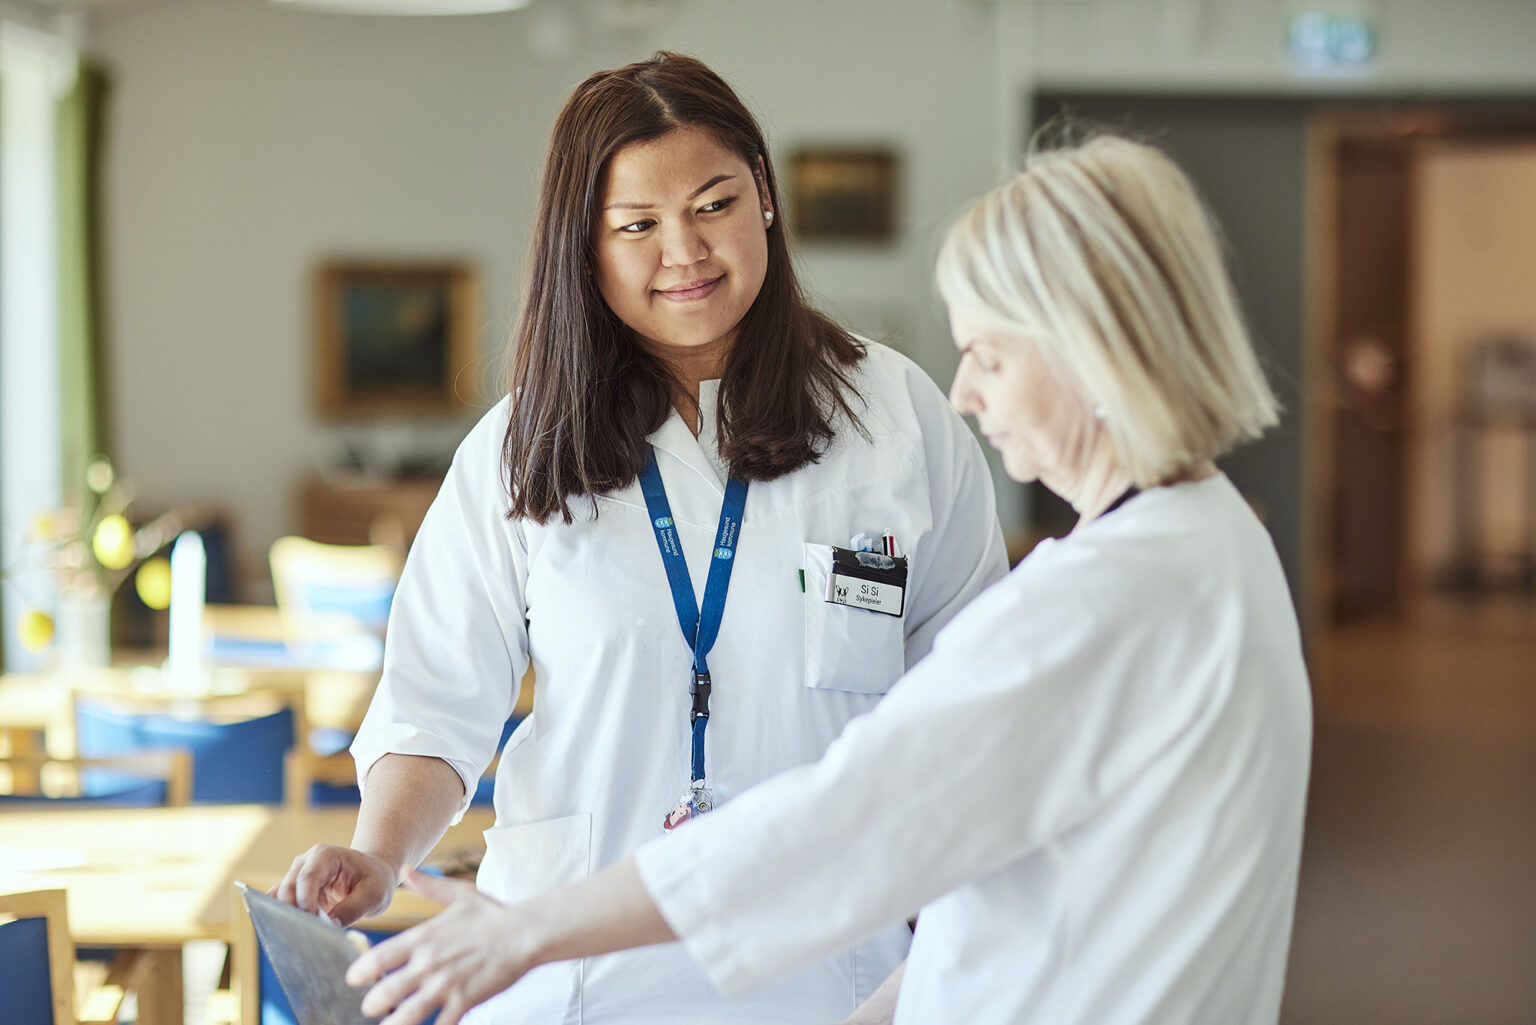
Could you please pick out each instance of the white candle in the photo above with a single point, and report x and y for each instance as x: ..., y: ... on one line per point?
x: 189, y: 580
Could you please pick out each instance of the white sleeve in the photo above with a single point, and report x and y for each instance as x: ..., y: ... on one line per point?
x: 457, y: 642
x: 1016, y: 728
x: 964, y: 554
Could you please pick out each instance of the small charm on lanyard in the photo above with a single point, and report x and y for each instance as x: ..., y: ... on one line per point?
x: 694, y: 803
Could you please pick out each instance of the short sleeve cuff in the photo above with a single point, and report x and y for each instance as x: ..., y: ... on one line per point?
x: 404, y: 740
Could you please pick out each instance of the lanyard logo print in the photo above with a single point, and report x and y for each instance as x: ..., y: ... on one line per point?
x: 700, y: 623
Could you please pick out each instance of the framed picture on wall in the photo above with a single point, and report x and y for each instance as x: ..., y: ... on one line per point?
x: 392, y: 338
x: 843, y: 195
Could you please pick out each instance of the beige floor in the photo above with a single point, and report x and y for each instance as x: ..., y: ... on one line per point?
x: 1418, y: 882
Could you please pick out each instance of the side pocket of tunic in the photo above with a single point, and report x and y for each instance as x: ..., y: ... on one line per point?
x: 521, y: 862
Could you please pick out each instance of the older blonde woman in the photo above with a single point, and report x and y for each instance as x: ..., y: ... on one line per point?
x: 1093, y: 787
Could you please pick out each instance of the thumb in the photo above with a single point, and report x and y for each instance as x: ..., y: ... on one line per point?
x: 437, y: 889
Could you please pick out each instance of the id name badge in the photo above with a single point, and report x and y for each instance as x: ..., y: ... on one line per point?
x: 868, y: 580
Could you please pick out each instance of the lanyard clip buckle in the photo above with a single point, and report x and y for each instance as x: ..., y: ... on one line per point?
x: 699, y: 688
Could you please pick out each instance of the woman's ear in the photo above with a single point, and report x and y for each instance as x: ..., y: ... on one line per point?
x: 760, y: 173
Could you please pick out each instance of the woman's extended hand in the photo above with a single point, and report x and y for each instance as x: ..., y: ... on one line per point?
x: 342, y: 883
x: 462, y: 956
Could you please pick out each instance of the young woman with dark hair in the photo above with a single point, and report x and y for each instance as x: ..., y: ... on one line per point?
x: 589, y: 395
x: 680, y: 423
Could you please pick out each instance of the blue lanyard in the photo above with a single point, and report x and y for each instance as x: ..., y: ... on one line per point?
x: 700, y: 626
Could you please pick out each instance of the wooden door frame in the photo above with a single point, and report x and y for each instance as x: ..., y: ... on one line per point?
x: 1449, y: 118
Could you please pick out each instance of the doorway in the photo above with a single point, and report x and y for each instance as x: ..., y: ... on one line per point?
x: 1421, y: 455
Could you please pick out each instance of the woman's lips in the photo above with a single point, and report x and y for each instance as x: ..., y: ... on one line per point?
x: 692, y: 291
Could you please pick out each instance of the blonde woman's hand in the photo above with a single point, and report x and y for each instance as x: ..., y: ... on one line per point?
x: 462, y: 956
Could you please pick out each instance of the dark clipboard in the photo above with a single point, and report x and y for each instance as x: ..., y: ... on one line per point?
x: 310, y: 957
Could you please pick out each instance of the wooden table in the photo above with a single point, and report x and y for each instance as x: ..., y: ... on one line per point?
x: 155, y: 878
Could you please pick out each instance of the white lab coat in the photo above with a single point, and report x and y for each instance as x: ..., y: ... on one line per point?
x: 1093, y: 789
x: 589, y: 776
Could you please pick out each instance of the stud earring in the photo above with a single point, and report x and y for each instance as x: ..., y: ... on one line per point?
x: 768, y: 216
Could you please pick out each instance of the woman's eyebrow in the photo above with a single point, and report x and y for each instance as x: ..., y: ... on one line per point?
x: 716, y: 180
x: 695, y: 194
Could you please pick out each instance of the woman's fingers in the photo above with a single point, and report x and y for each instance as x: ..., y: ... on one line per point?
x: 387, y: 957
x: 391, y: 986
x: 438, y: 889
x: 455, y: 960
x: 318, y: 868
x: 413, y: 1008
x: 452, y: 1011
x: 338, y: 883
x: 365, y: 893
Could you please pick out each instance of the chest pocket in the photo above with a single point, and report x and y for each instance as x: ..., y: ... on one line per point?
x: 846, y: 648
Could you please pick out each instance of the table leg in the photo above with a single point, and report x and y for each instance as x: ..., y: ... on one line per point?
x: 160, y: 992
x: 25, y: 747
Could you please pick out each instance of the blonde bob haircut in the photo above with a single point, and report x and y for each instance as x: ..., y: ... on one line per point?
x: 1103, y: 256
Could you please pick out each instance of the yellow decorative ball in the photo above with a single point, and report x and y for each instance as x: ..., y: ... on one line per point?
x: 35, y: 629
x: 113, y: 542
x: 153, y: 582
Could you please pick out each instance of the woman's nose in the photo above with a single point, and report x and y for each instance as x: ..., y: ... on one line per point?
x: 682, y: 245
x: 962, y: 396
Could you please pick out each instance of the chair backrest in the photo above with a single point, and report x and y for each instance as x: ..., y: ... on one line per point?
x: 138, y: 779
x: 319, y: 778
x: 235, y: 760
x: 37, y: 981
x: 328, y: 590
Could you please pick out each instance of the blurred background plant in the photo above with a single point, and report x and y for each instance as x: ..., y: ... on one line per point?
x: 91, y: 546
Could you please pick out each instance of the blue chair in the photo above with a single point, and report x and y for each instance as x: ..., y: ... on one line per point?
x: 234, y: 761
x: 37, y: 986
x: 37, y: 983
x: 334, y: 600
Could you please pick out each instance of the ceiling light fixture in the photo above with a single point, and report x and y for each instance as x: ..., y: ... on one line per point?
x: 413, y: 8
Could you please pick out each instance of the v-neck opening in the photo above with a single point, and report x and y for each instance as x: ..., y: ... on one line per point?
x: 702, y: 453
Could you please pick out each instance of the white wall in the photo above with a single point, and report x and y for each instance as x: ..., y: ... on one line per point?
x: 248, y: 142
x: 1239, y: 45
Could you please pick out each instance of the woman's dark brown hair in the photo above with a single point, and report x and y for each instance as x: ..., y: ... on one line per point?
x: 585, y: 396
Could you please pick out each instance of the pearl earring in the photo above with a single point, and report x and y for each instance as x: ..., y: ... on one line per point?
x: 1099, y: 413
x: 768, y: 216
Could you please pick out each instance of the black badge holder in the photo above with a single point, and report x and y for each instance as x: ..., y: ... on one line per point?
x: 868, y: 580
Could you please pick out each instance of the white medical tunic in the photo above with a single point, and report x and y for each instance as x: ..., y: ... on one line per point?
x: 590, y: 775
x: 1092, y: 788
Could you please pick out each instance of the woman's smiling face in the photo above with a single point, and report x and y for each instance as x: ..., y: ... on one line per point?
x: 681, y: 242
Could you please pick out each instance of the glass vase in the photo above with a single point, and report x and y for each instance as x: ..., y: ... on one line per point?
x: 84, y: 630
